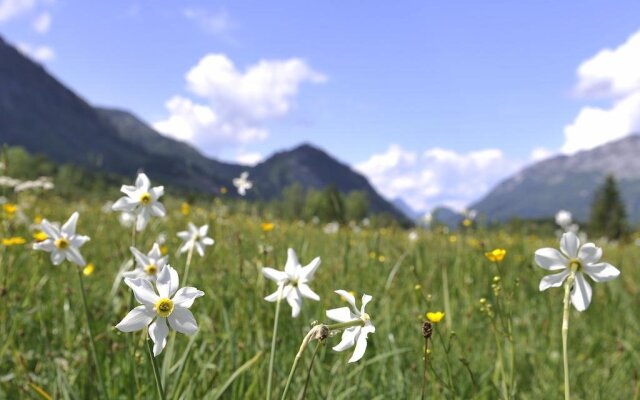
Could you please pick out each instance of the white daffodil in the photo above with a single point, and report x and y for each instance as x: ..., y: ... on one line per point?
x: 354, y: 335
x: 63, y: 242
x: 195, y: 238
x: 293, y: 282
x: 141, y: 200
x: 168, y: 303
x: 148, y: 266
x: 573, y: 258
x: 242, y: 183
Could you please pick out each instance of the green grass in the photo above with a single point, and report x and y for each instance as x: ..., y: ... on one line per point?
x: 44, y: 347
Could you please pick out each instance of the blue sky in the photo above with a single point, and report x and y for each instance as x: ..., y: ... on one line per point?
x: 434, y: 101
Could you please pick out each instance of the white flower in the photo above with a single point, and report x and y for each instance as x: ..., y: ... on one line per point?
x: 563, y: 218
x: 293, y: 282
x: 141, y: 200
x: 578, y: 259
x: 413, y: 236
x: 63, y: 242
x: 355, y: 335
x: 331, y: 228
x: 148, y: 266
x: 242, y: 183
x: 168, y: 303
x: 195, y: 238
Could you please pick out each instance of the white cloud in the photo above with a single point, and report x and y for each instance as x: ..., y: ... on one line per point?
x: 612, y: 73
x: 10, y: 9
x: 541, y: 153
x: 217, y: 23
x: 38, y: 53
x: 249, y: 159
x: 236, y: 104
x: 436, y: 176
x: 42, y: 23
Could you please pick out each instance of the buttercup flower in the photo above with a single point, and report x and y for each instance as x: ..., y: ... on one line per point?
x: 141, y: 200
x: 149, y: 265
x: 242, y: 183
x: 435, y: 317
x: 195, y: 238
x: 293, y: 282
x: 168, y: 303
x: 496, y: 255
x: 63, y: 242
x: 355, y: 335
x: 573, y: 258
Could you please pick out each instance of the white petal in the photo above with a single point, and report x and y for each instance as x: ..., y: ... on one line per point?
x: 349, y: 297
x: 273, y: 296
x: 184, y: 235
x: 49, y: 229
x: 142, y: 182
x: 308, y: 271
x: 46, y: 245
x: 589, y: 253
x: 306, y: 291
x: 581, y: 293
x: 125, y: 204
x: 74, y: 256
x: 57, y: 257
x: 199, y: 248
x: 167, y: 282
x: 79, y: 240
x: 185, y: 296
x: 185, y: 247
x: 155, y: 252
x: 295, y: 301
x: 143, y: 291
x: 602, y: 272
x: 569, y: 244
x: 342, y: 314
x: 202, y: 231
x: 182, y: 320
x: 141, y: 259
x: 136, y: 319
x: 550, y: 259
x: 157, y: 192
x: 208, y: 241
x: 292, y: 264
x: 69, y: 227
x: 365, y: 300
x: 274, y: 275
x: 361, y: 346
x: 142, y: 220
x: 348, y: 339
x: 554, y: 280
x: 158, y: 331
x: 157, y: 209
x: 130, y: 191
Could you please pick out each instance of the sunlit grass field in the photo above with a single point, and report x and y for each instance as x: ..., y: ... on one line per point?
x: 45, y: 353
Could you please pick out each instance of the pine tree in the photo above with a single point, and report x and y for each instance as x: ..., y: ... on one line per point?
x: 608, y: 214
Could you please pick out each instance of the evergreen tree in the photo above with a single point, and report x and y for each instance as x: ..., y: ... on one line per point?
x: 608, y: 215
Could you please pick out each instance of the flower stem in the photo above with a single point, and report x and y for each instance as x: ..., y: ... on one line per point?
x: 426, y: 362
x: 156, y: 371
x: 314, y: 332
x: 565, y: 331
x: 92, y: 345
x: 188, y: 264
x: 306, y: 382
x: 272, y: 356
x: 344, y: 325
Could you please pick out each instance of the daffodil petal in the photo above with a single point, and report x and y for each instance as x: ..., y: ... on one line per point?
x: 550, y: 259
x: 136, y: 319
x: 308, y: 271
x: 143, y: 291
x: 342, y: 314
x: 306, y: 291
x: 182, y: 320
x: 569, y: 244
x: 184, y: 235
x: 141, y: 258
x: 348, y: 297
x: 79, y: 240
x: 125, y: 204
x: 75, y: 257
x: 554, y: 280
x: 155, y: 252
x: 158, y: 331
x: 49, y: 229
x: 365, y: 300
x: 292, y: 263
x: 199, y: 249
x: 273, y: 296
x: 157, y: 209
x: 57, y: 257
x: 46, y: 245
x: 208, y: 241
x: 348, y: 339
x: 295, y: 301
x: 590, y: 253
x: 361, y: 347
x: 142, y: 182
x: 167, y: 282
x: 157, y: 192
x: 602, y: 272
x: 581, y: 293
x: 274, y: 275
x: 69, y: 227
x: 185, y: 296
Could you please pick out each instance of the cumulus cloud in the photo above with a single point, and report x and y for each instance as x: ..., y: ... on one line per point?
x: 234, y: 105
x: 541, y: 153
x: 42, y: 23
x: 216, y: 23
x: 436, y: 176
x: 10, y: 9
x: 249, y: 159
x: 37, y: 53
x: 613, y: 74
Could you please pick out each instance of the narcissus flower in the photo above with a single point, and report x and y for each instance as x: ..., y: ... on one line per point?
x: 141, y: 200
x: 195, y: 238
x: 576, y: 259
x: 293, y: 282
x: 354, y: 335
x: 168, y: 304
x: 63, y: 242
x: 149, y: 265
x: 435, y: 317
x: 495, y: 255
x: 242, y: 183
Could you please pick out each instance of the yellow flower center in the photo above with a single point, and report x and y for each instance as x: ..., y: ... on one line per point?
x: 575, y: 265
x: 145, y: 198
x: 365, y: 317
x: 164, y: 307
x: 62, y: 243
x: 151, y: 269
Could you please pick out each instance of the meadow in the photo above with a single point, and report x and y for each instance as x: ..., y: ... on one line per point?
x: 500, y: 338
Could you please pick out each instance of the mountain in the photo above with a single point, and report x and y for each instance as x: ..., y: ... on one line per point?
x: 40, y: 114
x: 406, y: 209
x: 567, y: 182
x: 446, y: 216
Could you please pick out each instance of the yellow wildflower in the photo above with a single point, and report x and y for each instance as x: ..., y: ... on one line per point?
x: 10, y: 209
x: 467, y: 222
x: 37, y: 219
x: 453, y: 239
x: 381, y: 258
x: 13, y: 241
x: 435, y: 317
x: 164, y: 250
x: 223, y: 190
x: 267, y: 226
x: 88, y: 270
x: 40, y: 236
x: 185, y: 208
x: 496, y: 255
x: 417, y: 286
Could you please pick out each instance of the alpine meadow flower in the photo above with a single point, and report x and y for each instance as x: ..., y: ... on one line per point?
x: 168, y: 304
x: 574, y: 259
x: 293, y: 282
x: 496, y: 255
x: 195, y: 238
x: 242, y: 183
x: 149, y: 265
x: 141, y: 200
x: 62, y: 242
x: 353, y: 335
